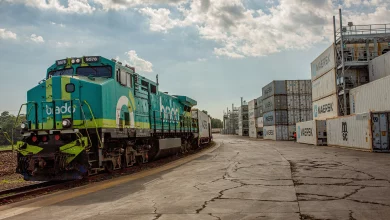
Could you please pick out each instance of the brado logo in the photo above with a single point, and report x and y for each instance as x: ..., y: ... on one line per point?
x: 65, y: 109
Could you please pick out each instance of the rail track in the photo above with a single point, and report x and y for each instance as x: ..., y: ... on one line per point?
x: 35, y: 190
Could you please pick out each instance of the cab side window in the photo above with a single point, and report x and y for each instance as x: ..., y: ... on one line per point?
x: 124, y: 78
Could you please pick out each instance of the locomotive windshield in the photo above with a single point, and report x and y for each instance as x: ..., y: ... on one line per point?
x: 95, y: 71
x: 68, y: 71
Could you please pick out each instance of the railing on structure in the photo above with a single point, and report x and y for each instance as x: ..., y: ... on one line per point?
x: 363, y: 30
x: 166, y: 123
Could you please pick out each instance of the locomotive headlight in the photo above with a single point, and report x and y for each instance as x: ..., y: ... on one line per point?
x: 73, y: 61
x: 23, y: 126
x: 78, y: 60
x: 66, y: 123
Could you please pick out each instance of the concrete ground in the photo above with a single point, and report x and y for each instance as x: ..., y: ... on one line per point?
x: 245, y: 179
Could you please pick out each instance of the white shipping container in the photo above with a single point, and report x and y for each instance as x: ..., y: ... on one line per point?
x: 325, y: 108
x: 324, y: 86
x: 323, y: 63
x: 252, y: 132
x: 292, y: 87
x: 380, y: 131
x: 276, y: 132
x: 350, y: 131
x: 252, y: 122
x: 373, y: 96
x: 379, y: 67
x: 312, y: 132
x: 259, y: 122
x: 252, y: 104
x: 204, y: 123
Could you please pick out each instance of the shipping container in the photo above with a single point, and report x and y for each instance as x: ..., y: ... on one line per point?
x: 293, y: 102
x: 259, y: 112
x: 323, y: 63
x: 374, y: 96
x: 276, y: 132
x: 312, y: 132
x: 252, y: 132
x: 379, y: 67
x: 275, y: 118
x: 380, y: 131
x: 275, y: 103
x: 252, y: 122
x: 276, y: 87
x: 296, y: 104
x: 291, y: 130
x: 325, y: 108
x: 294, y: 116
x: 304, y: 86
x: 324, y: 86
x: 305, y: 102
x: 251, y: 113
x: 350, y: 131
x: 259, y: 132
x: 259, y: 122
x: 292, y: 87
x: 259, y: 101
x: 252, y: 104
x: 204, y: 122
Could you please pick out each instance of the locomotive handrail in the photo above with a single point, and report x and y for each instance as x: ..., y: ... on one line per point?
x: 93, y: 119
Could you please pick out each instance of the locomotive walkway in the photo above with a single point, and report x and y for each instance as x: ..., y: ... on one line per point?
x: 242, y: 179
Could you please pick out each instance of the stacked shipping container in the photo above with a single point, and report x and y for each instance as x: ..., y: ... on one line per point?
x: 252, y: 119
x: 243, y: 123
x: 259, y: 117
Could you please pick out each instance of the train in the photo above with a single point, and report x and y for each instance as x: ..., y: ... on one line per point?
x: 92, y: 114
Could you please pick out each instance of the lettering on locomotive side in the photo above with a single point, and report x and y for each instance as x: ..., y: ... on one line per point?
x: 307, y: 132
x: 325, y: 61
x: 65, y: 109
x: 169, y: 110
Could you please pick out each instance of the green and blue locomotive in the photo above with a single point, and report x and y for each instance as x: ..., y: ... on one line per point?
x: 92, y: 114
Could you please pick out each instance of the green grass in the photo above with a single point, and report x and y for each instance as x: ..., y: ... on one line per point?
x: 6, y: 147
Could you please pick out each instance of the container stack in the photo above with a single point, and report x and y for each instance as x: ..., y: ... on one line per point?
x: 275, y: 117
x: 252, y: 119
x: 324, y: 92
x: 259, y: 117
x: 299, y: 105
x: 243, y: 123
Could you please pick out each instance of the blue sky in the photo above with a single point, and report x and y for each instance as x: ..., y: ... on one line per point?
x: 213, y: 51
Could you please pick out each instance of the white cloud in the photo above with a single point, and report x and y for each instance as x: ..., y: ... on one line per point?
x: 125, y: 4
x: 4, y: 34
x: 72, y: 6
x: 243, y: 32
x: 62, y: 44
x: 60, y: 24
x: 139, y: 63
x: 36, y: 38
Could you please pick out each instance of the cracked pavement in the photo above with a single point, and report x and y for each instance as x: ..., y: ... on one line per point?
x: 246, y: 179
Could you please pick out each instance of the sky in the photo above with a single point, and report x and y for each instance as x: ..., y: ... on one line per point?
x: 214, y: 51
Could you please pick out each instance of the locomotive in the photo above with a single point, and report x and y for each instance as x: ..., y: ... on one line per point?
x: 93, y: 114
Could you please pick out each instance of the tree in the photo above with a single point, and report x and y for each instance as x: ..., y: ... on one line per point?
x: 216, y: 123
x: 7, y: 122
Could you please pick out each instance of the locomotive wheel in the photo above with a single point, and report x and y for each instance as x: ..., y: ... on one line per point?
x: 108, y: 166
x: 139, y: 160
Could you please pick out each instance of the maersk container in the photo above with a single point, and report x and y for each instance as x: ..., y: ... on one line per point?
x: 291, y: 130
x: 252, y: 132
x: 373, y: 96
x: 379, y: 67
x: 312, y: 132
x: 275, y: 118
x: 252, y: 104
x: 276, y: 87
x: 259, y: 122
x: 325, y: 108
x: 292, y: 87
x: 350, y: 131
x: 323, y: 63
x: 275, y: 103
x: 276, y: 132
x: 324, y: 86
x: 294, y: 116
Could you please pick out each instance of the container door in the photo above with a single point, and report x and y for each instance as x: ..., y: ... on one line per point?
x: 383, y: 123
x: 376, y: 134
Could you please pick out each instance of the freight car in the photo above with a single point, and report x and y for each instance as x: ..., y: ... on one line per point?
x: 92, y: 114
